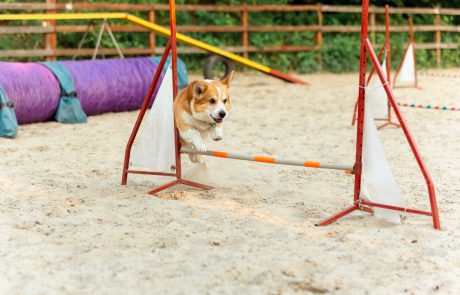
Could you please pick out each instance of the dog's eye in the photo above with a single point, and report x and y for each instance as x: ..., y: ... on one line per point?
x: 225, y: 100
x: 212, y: 101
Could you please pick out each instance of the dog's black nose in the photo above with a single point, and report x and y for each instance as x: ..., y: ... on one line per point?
x: 222, y: 114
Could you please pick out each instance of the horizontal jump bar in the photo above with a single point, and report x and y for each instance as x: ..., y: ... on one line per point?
x: 271, y: 160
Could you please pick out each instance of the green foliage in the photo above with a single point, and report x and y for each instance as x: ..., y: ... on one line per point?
x: 308, y: 62
x: 340, y: 51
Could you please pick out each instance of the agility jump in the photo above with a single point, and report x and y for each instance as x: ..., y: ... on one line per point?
x: 367, y: 142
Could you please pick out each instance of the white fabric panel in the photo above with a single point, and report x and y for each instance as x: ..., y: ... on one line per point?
x: 154, y: 147
x: 378, y: 184
x: 406, y: 74
x: 376, y: 95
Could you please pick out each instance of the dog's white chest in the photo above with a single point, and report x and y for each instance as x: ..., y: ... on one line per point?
x: 196, y: 124
x: 201, y: 126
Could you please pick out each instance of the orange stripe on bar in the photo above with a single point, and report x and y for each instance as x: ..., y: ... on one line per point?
x: 264, y: 159
x: 220, y: 154
x: 312, y: 164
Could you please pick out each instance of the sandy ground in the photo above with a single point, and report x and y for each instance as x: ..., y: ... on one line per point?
x: 67, y: 226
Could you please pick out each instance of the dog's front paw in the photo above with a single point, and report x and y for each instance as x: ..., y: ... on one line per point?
x: 217, y: 137
x: 216, y: 134
x: 201, y: 147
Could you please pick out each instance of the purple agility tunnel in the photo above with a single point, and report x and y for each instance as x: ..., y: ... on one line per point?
x: 113, y: 85
x: 109, y: 85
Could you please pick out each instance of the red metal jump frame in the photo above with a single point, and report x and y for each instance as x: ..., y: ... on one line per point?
x: 358, y: 203
x: 385, y: 48
x: 366, y: 48
x: 143, y: 110
x: 170, y: 48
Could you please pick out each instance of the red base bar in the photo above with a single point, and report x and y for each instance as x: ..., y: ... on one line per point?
x: 389, y: 207
x: 149, y: 173
x: 179, y: 181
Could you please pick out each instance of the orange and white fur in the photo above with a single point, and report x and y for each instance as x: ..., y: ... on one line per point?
x: 199, y: 110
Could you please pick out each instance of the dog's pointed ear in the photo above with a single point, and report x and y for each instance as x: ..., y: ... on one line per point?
x: 198, y: 88
x: 228, y: 78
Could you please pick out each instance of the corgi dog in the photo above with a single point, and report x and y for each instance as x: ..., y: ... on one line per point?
x: 199, y: 110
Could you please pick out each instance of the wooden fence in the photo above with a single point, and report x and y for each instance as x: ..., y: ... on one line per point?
x: 148, y: 11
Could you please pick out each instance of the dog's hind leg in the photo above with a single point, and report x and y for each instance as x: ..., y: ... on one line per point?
x: 194, y: 158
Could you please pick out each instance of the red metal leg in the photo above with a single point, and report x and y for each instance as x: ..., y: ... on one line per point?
x: 361, y: 104
x: 172, y: 23
x: 361, y: 207
x: 389, y: 123
x: 337, y: 215
x: 354, y: 114
x: 195, y: 184
x: 176, y: 182
x: 164, y: 186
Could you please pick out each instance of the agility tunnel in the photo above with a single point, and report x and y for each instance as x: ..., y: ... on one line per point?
x: 36, y: 91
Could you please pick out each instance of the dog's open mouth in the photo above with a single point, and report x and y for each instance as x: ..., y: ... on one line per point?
x: 217, y: 120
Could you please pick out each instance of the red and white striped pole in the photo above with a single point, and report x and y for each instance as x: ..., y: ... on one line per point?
x: 271, y: 160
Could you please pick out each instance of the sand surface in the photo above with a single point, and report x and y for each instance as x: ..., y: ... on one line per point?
x: 67, y: 226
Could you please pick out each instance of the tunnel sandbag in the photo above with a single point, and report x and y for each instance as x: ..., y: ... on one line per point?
x: 8, y: 121
x: 182, y: 75
x: 32, y: 88
x: 69, y: 108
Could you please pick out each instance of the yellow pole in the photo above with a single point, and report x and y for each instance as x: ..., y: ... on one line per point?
x: 63, y: 16
x: 195, y: 43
